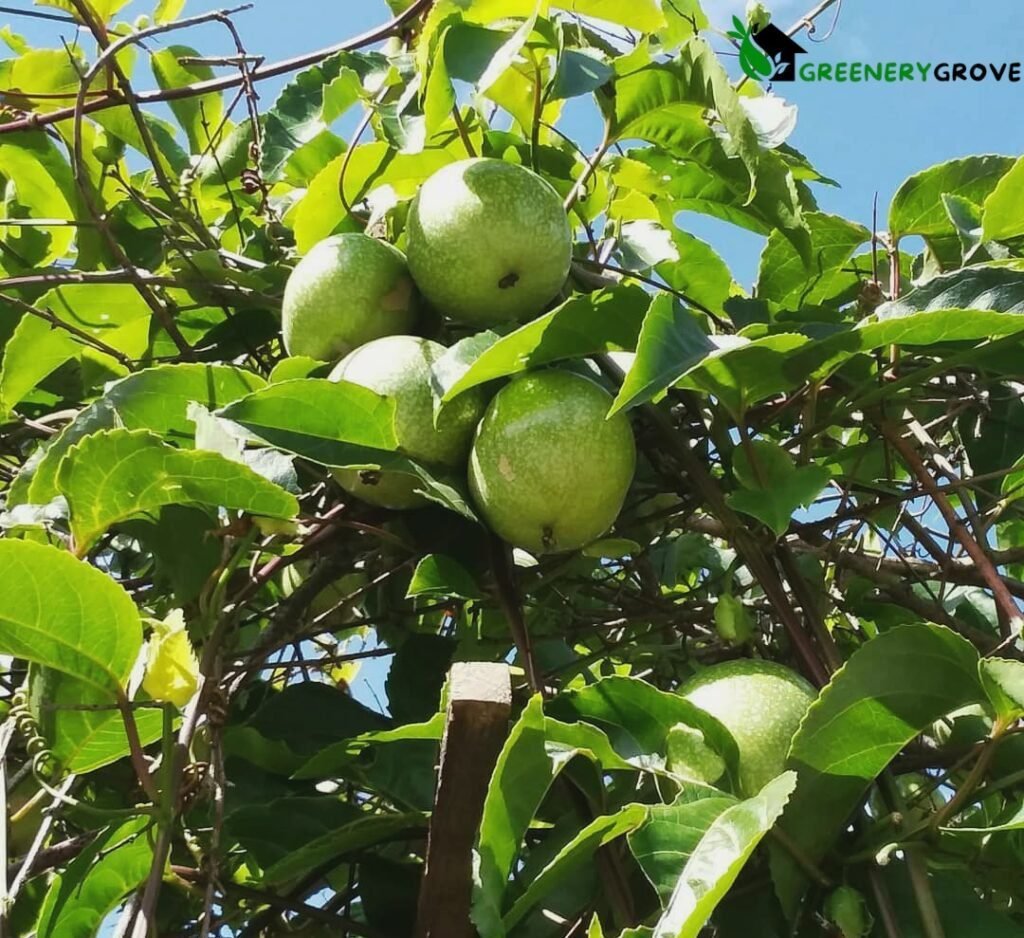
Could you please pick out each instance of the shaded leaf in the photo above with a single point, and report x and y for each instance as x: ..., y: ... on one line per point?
x: 890, y: 690
x: 578, y: 851
x: 441, y: 575
x: 95, y: 882
x: 719, y: 857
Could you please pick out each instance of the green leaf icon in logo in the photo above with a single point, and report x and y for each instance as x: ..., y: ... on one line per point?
x: 753, y: 61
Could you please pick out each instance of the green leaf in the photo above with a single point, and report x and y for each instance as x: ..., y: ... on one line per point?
x: 104, y: 9
x: 773, y: 487
x: 894, y: 687
x: 167, y: 11
x: 83, y: 740
x: 441, y: 575
x: 1003, y: 216
x: 1003, y: 680
x: 120, y: 122
x: 320, y: 212
x: 534, y: 753
x: 639, y: 717
x: 917, y: 206
x: 645, y: 243
x: 991, y: 287
x: 671, y: 342
x: 583, y: 325
x: 42, y: 185
x: 784, y: 277
x: 115, y: 474
x: 574, y: 854
x: 668, y: 838
x: 356, y: 835
x: 719, y: 857
x: 335, y: 423
x: 34, y: 350
x: 699, y: 272
x: 310, y: 103
x: 580, y: 71
x: 665, y: 104
x: 154, y: 399
x: 66, y: 615
x: 741, y: 373
x: 116, y: 862
x: 199, y: 116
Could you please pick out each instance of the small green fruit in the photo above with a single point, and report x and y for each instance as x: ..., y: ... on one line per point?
x: 399, y: 366
x: 348, y: 290
x: 548, y: 470
x: 847, y: 909
x: 761, y: 704
x: 732, y: 620
x: 106, y: 148
x: 489, y: 241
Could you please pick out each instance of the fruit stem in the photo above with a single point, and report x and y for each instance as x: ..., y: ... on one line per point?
x: 508, y: 597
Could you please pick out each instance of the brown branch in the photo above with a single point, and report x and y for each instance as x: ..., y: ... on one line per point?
x: 1009, y: 613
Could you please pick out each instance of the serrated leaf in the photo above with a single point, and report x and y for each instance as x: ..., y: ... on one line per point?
x: 719, y: 857
x: 891, y: 689
x: 94, y: 883
x: 671, y: 343
x: 66, y: 615
x: 583, y: 325
x: 199, y: 116
x: 154, y: 399
x: 115, y: 474
x: 578, y: 851
x: 1003, y: 680
x: 441, y: 575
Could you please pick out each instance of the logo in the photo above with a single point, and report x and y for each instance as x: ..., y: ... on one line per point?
x: 767, y: 55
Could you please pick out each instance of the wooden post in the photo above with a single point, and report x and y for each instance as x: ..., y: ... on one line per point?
x: 479, y: 704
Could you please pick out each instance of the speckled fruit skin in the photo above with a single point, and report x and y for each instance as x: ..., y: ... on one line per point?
x: 489, y: 241
x: 348, y: 290
x: 399, y: 366
x: 547, y: 470
x: 761, y: 703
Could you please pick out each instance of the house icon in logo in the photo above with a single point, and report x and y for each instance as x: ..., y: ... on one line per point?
x: 767, y: 55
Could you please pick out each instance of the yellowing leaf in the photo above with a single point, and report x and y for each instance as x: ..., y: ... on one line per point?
x: 172, y: 669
